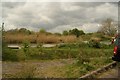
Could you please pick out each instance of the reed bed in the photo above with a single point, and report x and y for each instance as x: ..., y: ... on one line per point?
x: 38, y: 38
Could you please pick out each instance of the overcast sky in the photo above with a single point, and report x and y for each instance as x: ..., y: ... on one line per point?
x: 57, y: 16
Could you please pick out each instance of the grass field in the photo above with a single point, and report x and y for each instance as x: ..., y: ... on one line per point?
x: 71, y: 59
x: 83, y: 59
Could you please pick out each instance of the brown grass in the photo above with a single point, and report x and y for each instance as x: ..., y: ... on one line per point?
x: 38, y: 38
x: 69, y: 38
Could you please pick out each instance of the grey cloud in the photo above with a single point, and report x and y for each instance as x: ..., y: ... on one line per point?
x: 12, y: 4
x: 52, y: 16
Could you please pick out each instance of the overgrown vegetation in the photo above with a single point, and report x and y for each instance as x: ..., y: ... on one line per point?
x: 39, y: 38
x: 86, y: 49
x: 79, y: 69
x: 63, y: 51
x: 107, y: 30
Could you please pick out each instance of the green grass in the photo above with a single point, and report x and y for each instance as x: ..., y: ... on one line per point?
x: 76, y: 70
x: 57, y: 53
x: 88, y: 56
x: 63, y: 51
x: 87, y: 59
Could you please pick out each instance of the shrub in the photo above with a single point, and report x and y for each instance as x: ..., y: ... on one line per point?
x: 94, y: 44
x: 9, y: 54
x: 26, y: 46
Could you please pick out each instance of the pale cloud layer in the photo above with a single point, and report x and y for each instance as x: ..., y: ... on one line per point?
x: 58, y: 16
x: 59, y: 0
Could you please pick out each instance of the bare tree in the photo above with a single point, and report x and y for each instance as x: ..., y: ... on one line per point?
x: 109, y: 27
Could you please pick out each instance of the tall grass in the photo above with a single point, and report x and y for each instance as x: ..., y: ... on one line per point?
x: 43, y: 38
x: 38, y: 38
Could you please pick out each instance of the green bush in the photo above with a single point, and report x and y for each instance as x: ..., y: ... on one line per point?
x: 26, y: 46
x: 74, y: 45
x: 9, y: 55
x: 94, y: 44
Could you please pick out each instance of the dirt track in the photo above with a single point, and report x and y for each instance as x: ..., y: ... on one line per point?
x: 10, y: 68
x: 112, y: 73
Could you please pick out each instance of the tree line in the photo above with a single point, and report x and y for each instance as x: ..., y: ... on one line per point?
x: 74, y: 31
x: 108, y: 27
